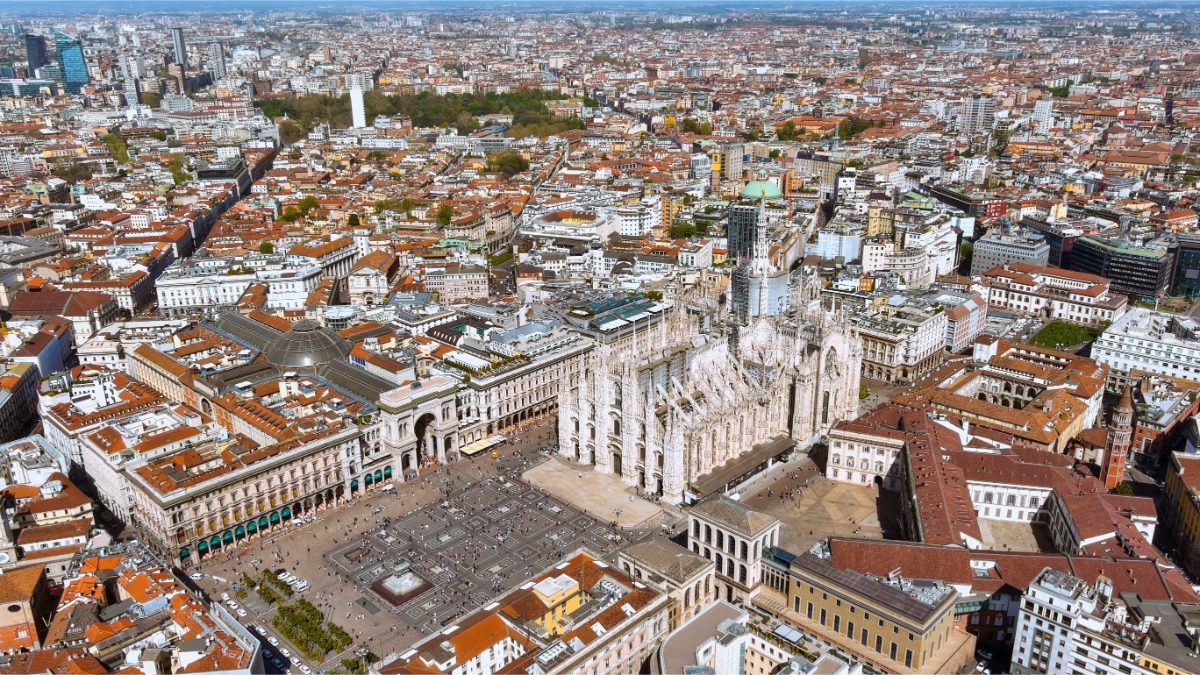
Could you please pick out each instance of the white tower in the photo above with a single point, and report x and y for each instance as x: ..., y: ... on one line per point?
x: 358, y: 112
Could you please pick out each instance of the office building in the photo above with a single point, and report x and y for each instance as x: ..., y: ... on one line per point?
x: 35, y: 52
x: 1060, y: 236
x: 1143, y: 271
x: 216, y: 61
x: 892, y: 624
x: 73, y: 69
x: 1152, y: 342
x: 180, y: 48
x: 1187, y: 265
x: 1069, y: 626
x: 1001, y: 249
x: 740, y: 232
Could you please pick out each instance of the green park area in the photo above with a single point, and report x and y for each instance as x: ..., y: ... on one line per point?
x: 1060, y: 335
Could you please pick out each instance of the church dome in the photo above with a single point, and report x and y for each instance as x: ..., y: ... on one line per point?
x: 308, y: 343
x: 761, y: 188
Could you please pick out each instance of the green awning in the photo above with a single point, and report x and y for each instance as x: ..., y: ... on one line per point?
x: 287, y: 512
x: 215, y: 541
x: 368, y: 479
x: 228, y: 536
x: 378, y: 475
x: 274, y: 516
x: 202, y: 547
x: 387, y: 472
x: 239, y: 531
x: 252, y: 527
x: 353, y: 483
x: 262, y: 522
x: 184, y: 552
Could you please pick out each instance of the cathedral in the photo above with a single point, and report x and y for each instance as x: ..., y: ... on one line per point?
x: 678, y: 400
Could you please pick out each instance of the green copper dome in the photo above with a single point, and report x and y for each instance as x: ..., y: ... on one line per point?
x: 761, y: 188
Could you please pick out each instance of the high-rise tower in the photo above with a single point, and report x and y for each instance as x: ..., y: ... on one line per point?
x: 180, y: 49
x: 72, y: 67
x: 35, y: 52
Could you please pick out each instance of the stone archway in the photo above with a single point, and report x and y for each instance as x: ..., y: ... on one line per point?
x: 426, y: 442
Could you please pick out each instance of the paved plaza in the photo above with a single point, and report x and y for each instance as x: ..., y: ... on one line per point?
x: 812, y: 507
x: 481, y: 542
x: 602, y: 495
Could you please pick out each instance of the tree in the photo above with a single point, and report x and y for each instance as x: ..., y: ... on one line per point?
x: 158, y: 135
x: 116, y: 147
x: 445, y: 214
x: 852, y: 126
x: 863, y: 392
x: 507, y: 163
x: 775, y: 153
x: 682, y: 230
x: 787, y: 132
x: 175, y: 166
x: 266, y: 248
x: 353, y: 220
x: 290, y: 131
x: 1124, y: 489
x: 151, y: 99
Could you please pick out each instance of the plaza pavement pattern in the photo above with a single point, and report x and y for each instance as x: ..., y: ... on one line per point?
x: 480, y: 543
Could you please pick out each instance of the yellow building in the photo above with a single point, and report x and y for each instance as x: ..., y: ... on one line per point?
x: 893, y: 624
x: 1181, y: 508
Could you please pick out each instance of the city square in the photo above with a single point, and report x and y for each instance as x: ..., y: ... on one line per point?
x: 479, y: 543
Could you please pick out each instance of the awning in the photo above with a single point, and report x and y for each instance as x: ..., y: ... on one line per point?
x: 287, y: 512
x: 184, y: 552
x: 378, y: 475
x: 214, y: 542
x: 387, y: 471
x: 368, y: 479
x: 252, y: 527
x: 353, y: 483
x: 476, y: 447
x: 228, y: 536
x: 202, y: 547
x: 239, y: 531
x: 733, y: 471
x: 262, y: 522
x: 274, y: 516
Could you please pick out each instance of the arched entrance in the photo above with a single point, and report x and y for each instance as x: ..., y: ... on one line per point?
x: 426, y: 442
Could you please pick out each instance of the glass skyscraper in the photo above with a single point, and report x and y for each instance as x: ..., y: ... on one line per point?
x: 35, y: 52
x: 73, y: 68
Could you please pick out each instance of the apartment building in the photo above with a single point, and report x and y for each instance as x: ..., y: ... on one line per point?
x: 1054, y: 293
x: 581, y: 616
x: 457, y: 282
x: 1181, y: 508
x: 1069, y: 626
x: 1152, y: 342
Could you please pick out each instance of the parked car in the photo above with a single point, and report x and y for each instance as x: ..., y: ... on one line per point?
x: 273, y: 640
x: 196, y: 575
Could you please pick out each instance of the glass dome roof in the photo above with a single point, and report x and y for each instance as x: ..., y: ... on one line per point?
x: 308, y: 343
